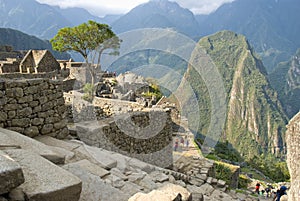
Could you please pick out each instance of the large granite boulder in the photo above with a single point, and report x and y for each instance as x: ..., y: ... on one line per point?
x: 12, y: 139
x: 44, y: 180
x: 11, y: 174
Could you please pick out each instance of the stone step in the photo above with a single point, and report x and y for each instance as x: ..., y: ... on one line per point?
x: 11, y: 174
x: 10, y: 139
x: 94, y: 188
x: 44, y: 180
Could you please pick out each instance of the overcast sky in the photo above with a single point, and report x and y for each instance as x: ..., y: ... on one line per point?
x: 103, y: 7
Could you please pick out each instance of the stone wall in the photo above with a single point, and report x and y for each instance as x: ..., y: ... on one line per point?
x: 48, y: 75
x: 145, y: 135
x: 9, y: 67
x: 293, y: 156
x: 33, y: 107
x: 80, y: 110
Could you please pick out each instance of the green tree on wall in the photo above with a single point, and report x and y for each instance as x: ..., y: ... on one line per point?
x: 90, y: 40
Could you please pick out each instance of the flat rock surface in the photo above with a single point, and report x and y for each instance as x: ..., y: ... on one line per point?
x: 68, y: 145
x: 91, y: 168
x: 166, y: 193
x: 11, y: 174
x: 94, y: 188
x: 44, y: 180
x: 11, y: 139
x: 102, y: 157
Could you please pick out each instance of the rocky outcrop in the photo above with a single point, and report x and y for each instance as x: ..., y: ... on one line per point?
x: 11, y: 174
x: 293, y: 156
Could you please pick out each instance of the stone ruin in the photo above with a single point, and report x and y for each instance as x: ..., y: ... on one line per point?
x: 40, y: 162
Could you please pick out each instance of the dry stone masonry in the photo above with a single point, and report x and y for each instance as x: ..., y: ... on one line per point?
x: 293, y: 156
x: 33, y: 107
x: 146, y: 135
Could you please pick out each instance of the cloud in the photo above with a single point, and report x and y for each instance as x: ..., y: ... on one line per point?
x: 104, y: 7
x: 202, y: 6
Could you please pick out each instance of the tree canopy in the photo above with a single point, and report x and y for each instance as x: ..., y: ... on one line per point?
x: 90, y: 40
x: 86, y: 38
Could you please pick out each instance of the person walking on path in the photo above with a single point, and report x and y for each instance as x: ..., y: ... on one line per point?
x: 176, y: 144
x: 257, y: 186
x: 187, y: 142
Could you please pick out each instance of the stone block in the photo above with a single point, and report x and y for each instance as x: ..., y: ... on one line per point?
x: 47, y: 128
x: 90, y: 167
x: 13, y: 139
x: 221, y: 184
x: 118, y: 173
x: 3, y: 116
x: 131, y: 188
x: 94, y: 188
x: 31, y: 131
x: 23, y: 122
x: 159, y: 177
x: 11, y: 174
x: 102, y: 157
x: 68, y: 145
x: 44, y: 180
x: 169, y: 192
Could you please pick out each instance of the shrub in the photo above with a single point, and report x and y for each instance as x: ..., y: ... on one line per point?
x: 243, y: 181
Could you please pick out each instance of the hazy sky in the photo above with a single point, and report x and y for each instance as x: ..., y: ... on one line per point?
x: 103, y: 7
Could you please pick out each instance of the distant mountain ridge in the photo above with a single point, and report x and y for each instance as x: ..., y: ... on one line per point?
x: 272, y: 26
x: 158, y: 14
x: 22, y: 41
x: 43, y: 20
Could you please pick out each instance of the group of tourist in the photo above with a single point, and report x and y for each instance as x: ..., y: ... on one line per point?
x: 182, y: 142
x: 277, y: 195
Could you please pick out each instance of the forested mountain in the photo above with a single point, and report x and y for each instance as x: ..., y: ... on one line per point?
x: 42, y: 20
x: 286, y: 80
x: 255, y: 122
x: 22, y: 41
x: 272, y: 26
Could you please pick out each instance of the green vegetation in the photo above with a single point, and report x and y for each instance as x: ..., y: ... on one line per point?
x: 90, y: 40
x: 254, y: 113
x: 88, y: 92
x: 271, y: 167
x: 243, y: 181
x: 225, y: 151
x: 285, y: 80
x: 223, y: 172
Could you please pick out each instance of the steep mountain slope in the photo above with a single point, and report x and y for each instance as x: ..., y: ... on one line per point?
x: 21, y: 41
x: 77, y: 16
x: 286, y: 80
x: 42, y: 20
x: 255, y: 122
x: 270, y: 25
x: 31, y: 17
x: 158, y: 14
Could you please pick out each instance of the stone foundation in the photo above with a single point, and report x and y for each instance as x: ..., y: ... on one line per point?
x: 33, y: 107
